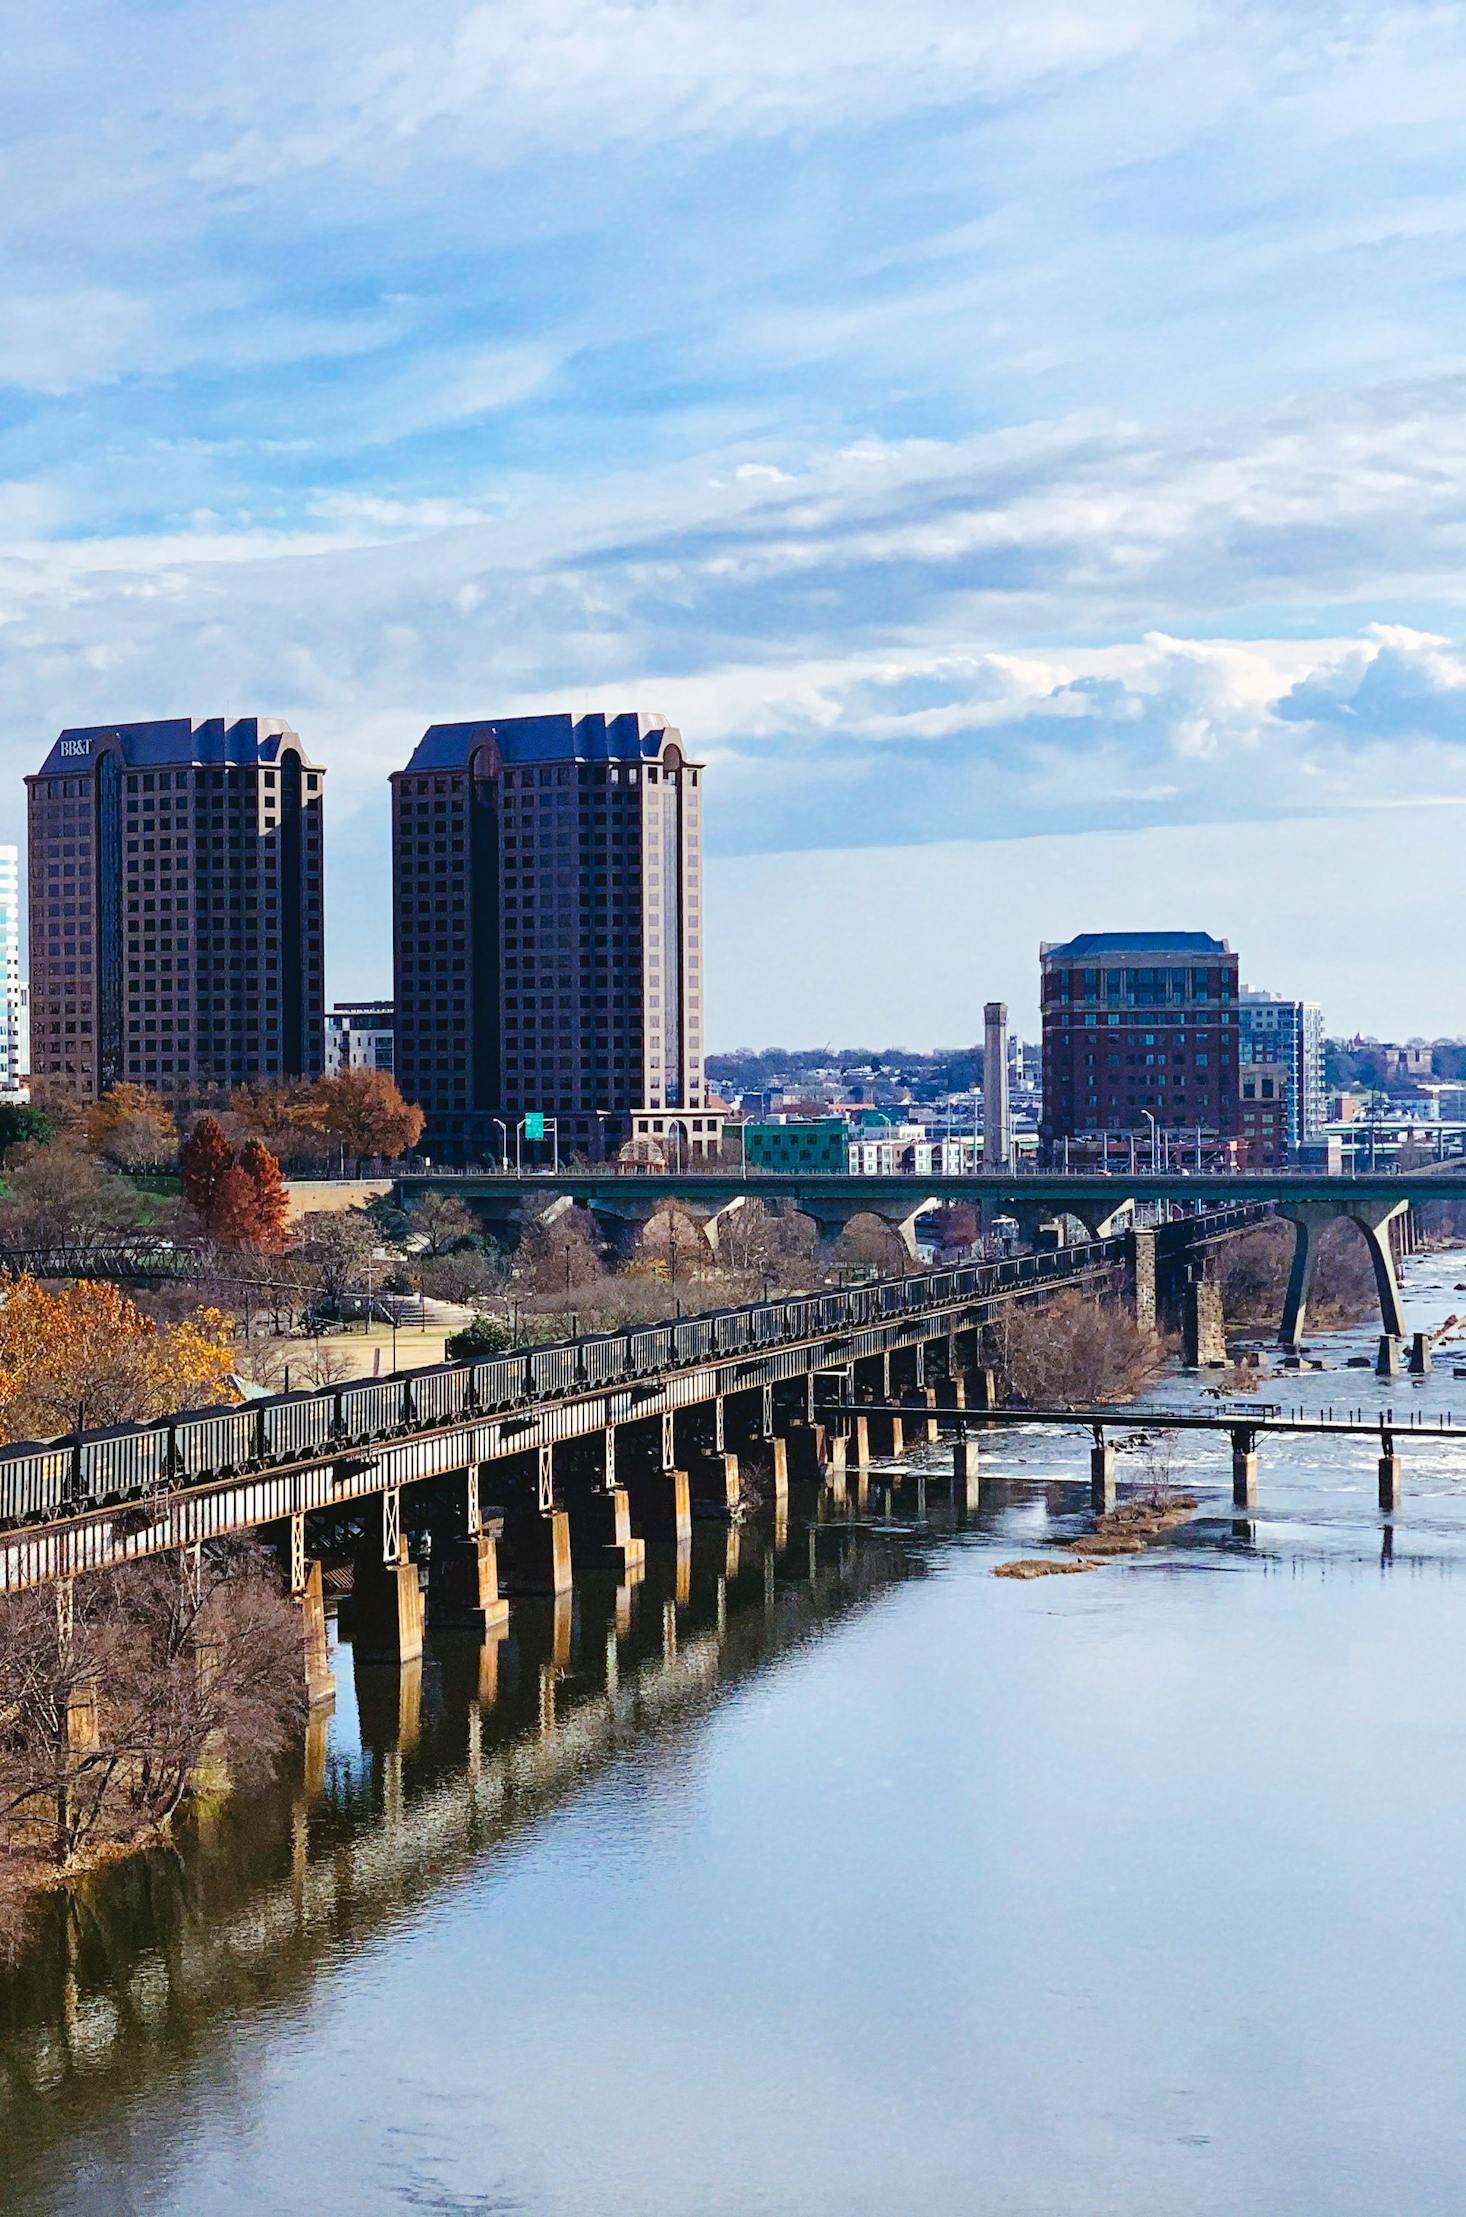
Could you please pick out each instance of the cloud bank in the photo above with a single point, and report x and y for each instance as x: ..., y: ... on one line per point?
x: 967, y: 425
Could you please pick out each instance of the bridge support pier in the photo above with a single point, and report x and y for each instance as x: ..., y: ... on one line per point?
x: 714, y: 1485
x: 1387, y: 1357
x: 860, y: 1442
x: 1244, y: 1470
x: 320, y: 1686
x: 537, y: 1552
x: 386, y: 1611
x: 1420, y: 1360
x: 803, y: 1454
x: 1391, y: 1484
x: 1101, y: 1476
x: 923, y: 1426
x: 601, y: 1537
x: 661, y: 1505
x: 1203, y: 1334
x: 463, y: 1585
x: 887, y: 1435
x: 966, y: 1476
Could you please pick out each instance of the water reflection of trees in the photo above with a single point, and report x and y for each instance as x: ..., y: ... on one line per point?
x: 143, y: 1964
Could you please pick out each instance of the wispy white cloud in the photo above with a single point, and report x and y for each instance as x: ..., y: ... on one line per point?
x: 962, y: 419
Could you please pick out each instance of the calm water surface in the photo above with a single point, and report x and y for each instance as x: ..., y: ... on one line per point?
x: 829, y: 1874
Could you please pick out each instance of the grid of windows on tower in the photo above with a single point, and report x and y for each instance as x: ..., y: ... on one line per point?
x: 167, y: 942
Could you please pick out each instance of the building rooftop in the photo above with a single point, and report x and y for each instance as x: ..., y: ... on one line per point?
x: 177, y: 742
x: 1102, y: 943
x: 564, y: 738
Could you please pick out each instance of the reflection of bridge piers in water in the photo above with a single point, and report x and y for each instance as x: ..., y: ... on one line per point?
x: 456, y: 1753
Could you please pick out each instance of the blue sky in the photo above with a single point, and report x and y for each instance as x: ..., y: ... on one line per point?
x: 1022, y: 448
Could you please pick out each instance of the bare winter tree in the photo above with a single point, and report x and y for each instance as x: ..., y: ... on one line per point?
x: 115, y: 1689
x: 1071, y: 1352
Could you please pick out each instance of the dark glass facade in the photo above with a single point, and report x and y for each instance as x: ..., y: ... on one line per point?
x: 176, y: 908
x: 547, y: 920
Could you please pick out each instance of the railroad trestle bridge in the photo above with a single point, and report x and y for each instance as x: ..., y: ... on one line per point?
x: 571, y: 1458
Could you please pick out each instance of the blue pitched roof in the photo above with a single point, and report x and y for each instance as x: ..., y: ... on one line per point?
x: 564, y: 738
x: 175, y: 742
x: 1103, y: 943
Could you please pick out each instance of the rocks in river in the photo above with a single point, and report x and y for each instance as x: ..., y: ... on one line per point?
x: 1359, y: 1362
x: 1040, y: 1566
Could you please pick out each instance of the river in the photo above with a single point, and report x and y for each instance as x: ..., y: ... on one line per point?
x: 831, y: 1876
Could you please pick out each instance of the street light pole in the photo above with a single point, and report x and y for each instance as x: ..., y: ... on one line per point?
x: 1154, y: 1148
x: 504, y: 1139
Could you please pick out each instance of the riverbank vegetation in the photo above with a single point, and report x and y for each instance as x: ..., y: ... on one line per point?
x: 126, y: 1695
x: 1071, y: 1351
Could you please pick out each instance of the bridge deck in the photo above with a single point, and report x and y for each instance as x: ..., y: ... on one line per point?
x: 1358, y: 1422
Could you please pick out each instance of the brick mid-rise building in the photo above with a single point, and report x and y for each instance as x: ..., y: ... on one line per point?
x: 547, y: 904
x: 1139, y: 1026
x: 1264, y: 1088
x: 175, y: 907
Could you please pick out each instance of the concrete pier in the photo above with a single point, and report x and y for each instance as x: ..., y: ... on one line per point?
x: 320, y: 1686
x: 966, y: 1479
x: 463, y: 1585
x: 386, y: 1611
x: 601, y: 1537
x: 1244, y: 1471
x: 1391, y: 1485
x: 1420, y: 1355
x: 887, y: 1435
x: 537, y: 1557
x: 714, y: 1485
x: 803, y: 1446
x: 1387, y: 1360
x: 1101, y: 1477
x: 661, y: 1505
x: 923, y: 1425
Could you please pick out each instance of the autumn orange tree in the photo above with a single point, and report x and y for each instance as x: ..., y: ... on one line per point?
x: 278, y: 1111
x: 364, y: 1113
x: 131, y: 1126
x: 241, y: 1199
x: 206, y: 1155
x: 271, y: 1197
x: 87, y: 1356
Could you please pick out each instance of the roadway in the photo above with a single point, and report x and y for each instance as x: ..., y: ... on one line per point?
x: 715, y: 1188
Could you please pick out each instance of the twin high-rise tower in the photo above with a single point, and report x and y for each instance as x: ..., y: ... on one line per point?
x: 547, y: 898
x: 175, y: 907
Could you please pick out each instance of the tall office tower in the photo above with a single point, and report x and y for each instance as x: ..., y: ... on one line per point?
x: 14, y: 1048
x: 547, y: 899
x: 997, y: 1121
x: 1274, y: 1029
x: 1139, y: 1035
x: 176, y: 908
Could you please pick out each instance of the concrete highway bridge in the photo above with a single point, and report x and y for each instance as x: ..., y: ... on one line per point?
x: 1102, y: 1202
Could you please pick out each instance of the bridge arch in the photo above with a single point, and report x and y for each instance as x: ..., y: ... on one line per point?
x: 1372, y: 1219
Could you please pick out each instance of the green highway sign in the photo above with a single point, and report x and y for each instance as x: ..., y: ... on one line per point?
x: 534, y: 1125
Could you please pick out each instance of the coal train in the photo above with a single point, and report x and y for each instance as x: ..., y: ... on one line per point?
x: 41, y: 1481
